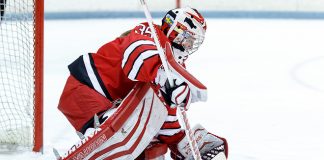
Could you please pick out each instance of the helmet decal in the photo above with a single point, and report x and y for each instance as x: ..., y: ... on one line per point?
x: 168, y: 20
x: 191, y: 24
x: 199, y: 19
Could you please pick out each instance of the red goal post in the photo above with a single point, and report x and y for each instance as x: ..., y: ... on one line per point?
x: 178, y: 3
x: 39, y: 75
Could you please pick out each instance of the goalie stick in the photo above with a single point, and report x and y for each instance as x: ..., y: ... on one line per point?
x: 192, y: 141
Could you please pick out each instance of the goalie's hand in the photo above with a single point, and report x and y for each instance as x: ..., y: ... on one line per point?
x: 179, y: 95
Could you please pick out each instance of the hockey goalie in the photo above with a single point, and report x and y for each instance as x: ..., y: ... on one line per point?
x: 121, y: 103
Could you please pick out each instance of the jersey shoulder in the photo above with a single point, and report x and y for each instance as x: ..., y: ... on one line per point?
x: 143, y: 31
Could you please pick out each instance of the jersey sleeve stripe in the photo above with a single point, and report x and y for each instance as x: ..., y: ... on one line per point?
x: 132, y: 47
x: 139, y: 62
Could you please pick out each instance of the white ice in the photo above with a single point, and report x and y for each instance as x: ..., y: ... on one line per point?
x: 265, y: 82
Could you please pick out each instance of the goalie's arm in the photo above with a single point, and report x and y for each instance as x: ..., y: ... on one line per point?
x: 141, y: 61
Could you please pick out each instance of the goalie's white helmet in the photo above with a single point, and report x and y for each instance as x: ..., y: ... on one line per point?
x: 185, y: 28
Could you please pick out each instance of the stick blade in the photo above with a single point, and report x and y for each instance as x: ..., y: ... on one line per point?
x: 57, y: 155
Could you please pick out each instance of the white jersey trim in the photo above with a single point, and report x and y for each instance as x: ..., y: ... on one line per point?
x: 132, y: 47
x: 91, y: 74
x: 139, y: 61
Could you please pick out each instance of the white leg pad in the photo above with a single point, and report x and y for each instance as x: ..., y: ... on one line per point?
x: 127, y: 132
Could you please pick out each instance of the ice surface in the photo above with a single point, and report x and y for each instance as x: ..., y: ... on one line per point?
x: 265, y: 82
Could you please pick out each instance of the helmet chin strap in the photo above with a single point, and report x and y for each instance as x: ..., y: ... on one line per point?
x: 177, y: 46
x: 179, y: 55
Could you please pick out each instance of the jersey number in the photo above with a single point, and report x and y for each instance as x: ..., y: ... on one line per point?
x: 144, y: 30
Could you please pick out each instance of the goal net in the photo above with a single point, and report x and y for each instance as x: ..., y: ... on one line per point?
x: 21, y: 65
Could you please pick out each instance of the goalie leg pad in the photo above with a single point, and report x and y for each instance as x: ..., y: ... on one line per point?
x: 137, y: 131
x: 127, y: 132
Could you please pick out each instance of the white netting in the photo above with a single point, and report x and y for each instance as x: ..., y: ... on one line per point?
x: 16, y: 74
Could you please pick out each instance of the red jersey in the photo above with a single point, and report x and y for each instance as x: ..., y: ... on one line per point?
x: 117, y: 65
x: 97, y: 79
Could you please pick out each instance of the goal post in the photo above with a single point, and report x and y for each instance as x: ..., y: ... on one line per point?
x: 178, y: 3
x: 21, y: 75
x: 39, y: 76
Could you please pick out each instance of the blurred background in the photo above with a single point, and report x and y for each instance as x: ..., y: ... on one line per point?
x: 58, y: 9
x: 262, y: 62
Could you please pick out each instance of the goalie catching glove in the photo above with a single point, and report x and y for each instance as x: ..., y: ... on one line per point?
x: 178, y: 95
x: 211, y: 147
